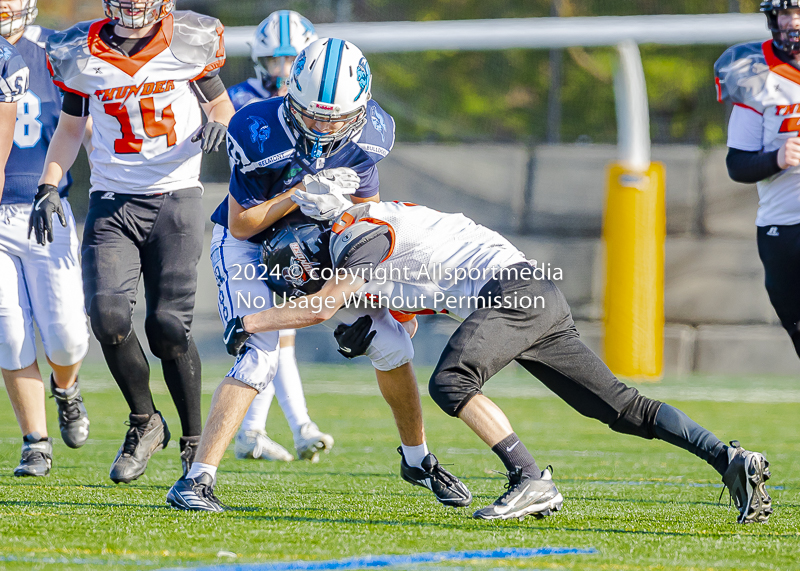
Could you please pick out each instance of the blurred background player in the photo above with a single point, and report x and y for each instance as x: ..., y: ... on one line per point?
x: 140, y: 74
x: 325, y: 137
x: 39, y: 284
x: 278, y: 40
x: 762, y: 80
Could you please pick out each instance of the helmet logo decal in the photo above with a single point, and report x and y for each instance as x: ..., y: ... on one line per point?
x: 300, y: 270
x: 259, y: 131
x: 378, y: 122
x: 362, y: 74
x: 299, y: 65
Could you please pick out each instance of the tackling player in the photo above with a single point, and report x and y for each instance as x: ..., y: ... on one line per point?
x: 39, y: 284
x: 140, y: 74
x: 278, y: 40
x: 279, y: 147
x: 407, y: 256
x: 762, y: 80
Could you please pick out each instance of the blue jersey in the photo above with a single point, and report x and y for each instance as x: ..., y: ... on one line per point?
x: 246, y: 92
x: 265, y: 161
x: 37, y: 117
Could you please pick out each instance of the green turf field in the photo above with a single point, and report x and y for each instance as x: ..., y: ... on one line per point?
x: 640, y: 504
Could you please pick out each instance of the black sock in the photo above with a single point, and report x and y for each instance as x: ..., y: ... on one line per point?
x: 183, y: 377
x: 514, y: 455
x: 673, y: 426
x: 131, y: 371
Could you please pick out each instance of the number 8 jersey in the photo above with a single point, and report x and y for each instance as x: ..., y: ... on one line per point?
x: 143, y: 108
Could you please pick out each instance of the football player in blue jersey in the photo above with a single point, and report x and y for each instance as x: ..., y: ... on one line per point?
x: 39, y: 284
x: 277, y: 41
x: 323, y: 139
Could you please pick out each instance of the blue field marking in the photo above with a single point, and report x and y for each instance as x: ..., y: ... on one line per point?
x: 379, y: 561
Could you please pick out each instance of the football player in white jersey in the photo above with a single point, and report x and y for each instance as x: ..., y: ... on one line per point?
x: 142, y: 74
x: 40, y: 284
x: 277, y: 41
x: 762, y: 80
x: 412, y: 258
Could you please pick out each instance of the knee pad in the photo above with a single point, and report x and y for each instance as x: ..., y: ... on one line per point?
x: 110, y: 316
x: 66, y: 343
x: 452, y: 390
x: 166, y: 334
x: 638, y: 418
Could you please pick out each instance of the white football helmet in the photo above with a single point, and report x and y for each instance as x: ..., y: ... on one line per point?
x: 13, y: 22
x: 283, y: 34
x: 330, y: 82
x: 137, y: 13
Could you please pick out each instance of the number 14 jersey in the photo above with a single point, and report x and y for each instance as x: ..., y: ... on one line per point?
x: 143, y: 108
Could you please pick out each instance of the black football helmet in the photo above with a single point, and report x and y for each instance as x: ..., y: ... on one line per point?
x: 786, y: 40
x: 295, y: 251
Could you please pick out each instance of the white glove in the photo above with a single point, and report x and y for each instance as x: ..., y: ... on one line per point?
x: 321, y: 206
x: 340, y: 180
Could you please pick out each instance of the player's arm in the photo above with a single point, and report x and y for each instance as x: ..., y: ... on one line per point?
x: 746, y: 161
x: 63, y: 149
x: 317, y: 308
x: 8, y: 117
x: 244, y: 223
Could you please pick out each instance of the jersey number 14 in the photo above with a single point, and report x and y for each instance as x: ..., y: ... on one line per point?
x: 130, y: 143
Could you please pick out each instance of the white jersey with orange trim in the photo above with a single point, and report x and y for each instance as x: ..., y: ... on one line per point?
x: 143, y: 108
x: 765, y: 92
x: 432, y: 260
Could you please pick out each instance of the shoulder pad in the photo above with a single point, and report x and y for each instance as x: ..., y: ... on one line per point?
x: 197, y: 39
x: 68, y: 52
x: 348, y: 230
x: 741, y: 73
x: 14, y: 74
x: 252, y: 135
x: 37, y: 35
x: 377, y: 135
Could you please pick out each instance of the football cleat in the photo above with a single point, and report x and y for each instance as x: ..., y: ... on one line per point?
x: 256, y: 444
x: 72, y: 418
x: 446, y: 487
x: 311, y: 441
x: 188, y: 451
x: 37, y: 456
x: 524, y: 496
x: 145, y: 435
x: 195, y: 494
x: 744, y: 479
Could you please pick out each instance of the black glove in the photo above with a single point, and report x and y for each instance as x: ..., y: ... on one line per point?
x: 211, y: 134
x: 354, y: 339
x: 235, y: 336
x: 45, y: 203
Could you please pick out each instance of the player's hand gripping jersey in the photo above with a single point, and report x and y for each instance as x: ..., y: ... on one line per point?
x: 765, y: 92
x: 143, y: 107
x: 265, y: 161
x: 414, y: 253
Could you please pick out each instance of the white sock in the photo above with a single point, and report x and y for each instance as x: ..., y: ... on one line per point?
x: 289, y: 390
x: 415, y: 454
x: 199, y: 468
x: 256, y: 417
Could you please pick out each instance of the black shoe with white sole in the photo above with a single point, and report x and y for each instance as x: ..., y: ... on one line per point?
x: 195, y: 494
x: 745, y: 477
x: 447, y: 488
x: 525, y: 496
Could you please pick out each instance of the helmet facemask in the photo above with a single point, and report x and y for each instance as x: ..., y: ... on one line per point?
x: 316, y: 144
x: 138, y: 13
x: 272, y: 71
x: 12, y: 23
x: 785, y: 39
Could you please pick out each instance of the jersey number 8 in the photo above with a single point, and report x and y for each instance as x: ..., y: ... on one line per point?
x: 153, y: 128
x: 28, y: 128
